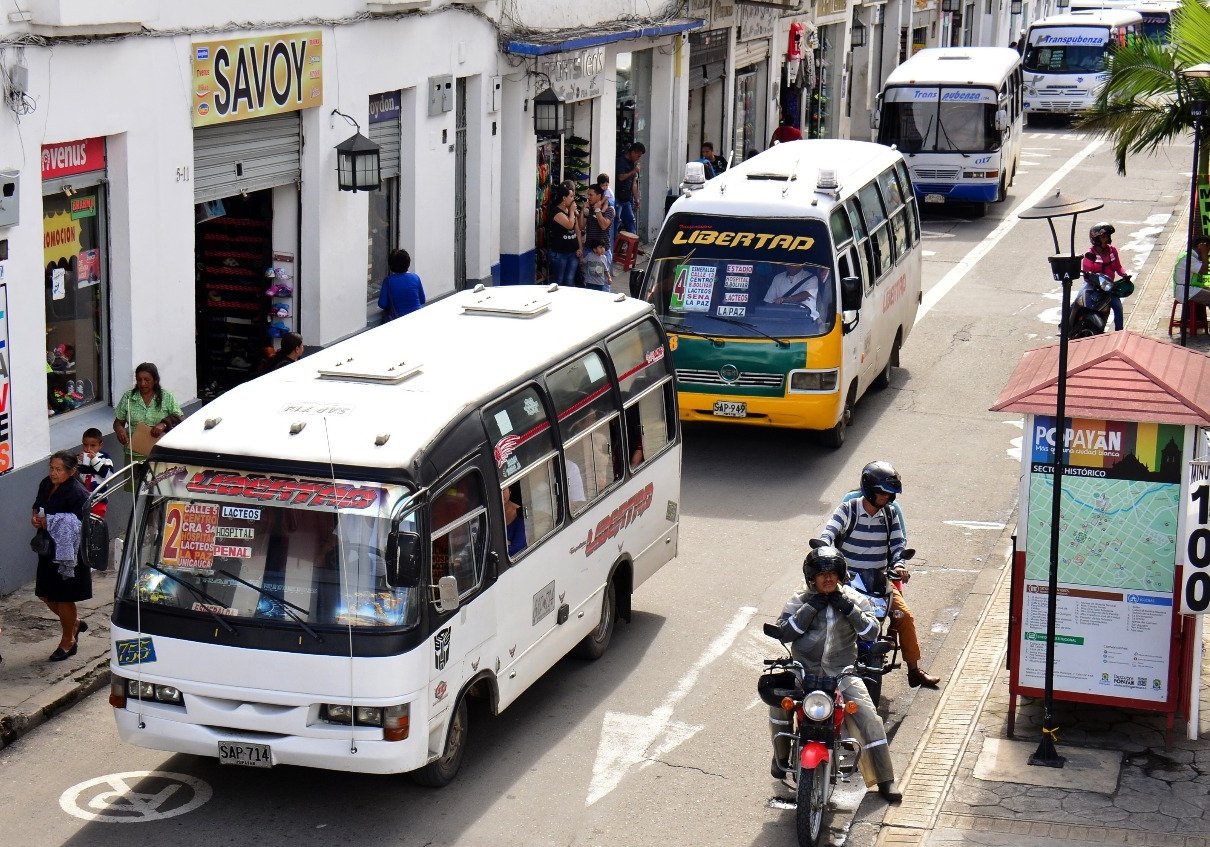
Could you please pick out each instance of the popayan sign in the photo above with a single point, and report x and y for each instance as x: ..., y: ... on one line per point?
x: 238, y: 79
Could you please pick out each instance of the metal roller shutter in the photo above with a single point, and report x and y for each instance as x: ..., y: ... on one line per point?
x: 386, y: 135
x: 246, y: 155
x: 750, y: 52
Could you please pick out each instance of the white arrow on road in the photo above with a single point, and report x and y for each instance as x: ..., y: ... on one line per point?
x: 628, y: 740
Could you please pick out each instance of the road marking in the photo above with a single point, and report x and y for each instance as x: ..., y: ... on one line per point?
x: 975, y: 524
x: 165, y: 795
x: 933, y: 296
x: 627, y: 740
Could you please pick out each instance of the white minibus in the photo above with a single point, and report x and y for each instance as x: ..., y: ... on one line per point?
x: 955, y: 113
x: 325, y: 564
x: 1064, y: 61
x: 789, y: 284
x: 1157, y: 14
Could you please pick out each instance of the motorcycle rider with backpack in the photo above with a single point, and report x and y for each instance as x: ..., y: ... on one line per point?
x: 868, y: 528
x: 822, y: 623
x: 1103, y: 259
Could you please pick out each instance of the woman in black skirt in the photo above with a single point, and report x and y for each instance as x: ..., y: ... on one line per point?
x: 60, y: 585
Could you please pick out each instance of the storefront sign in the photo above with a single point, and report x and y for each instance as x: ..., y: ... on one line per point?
x: 73, y: 157
x: 6, y: 434
x: 756, y: 22
x: 385, y: 106
x: 575, y: 76
x: 1117, y: 557
x: 237, y: 79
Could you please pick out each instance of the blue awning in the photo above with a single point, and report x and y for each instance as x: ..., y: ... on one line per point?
x: 530, y: 48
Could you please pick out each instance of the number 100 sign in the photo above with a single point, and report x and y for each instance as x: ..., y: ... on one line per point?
x: 1195, y: 594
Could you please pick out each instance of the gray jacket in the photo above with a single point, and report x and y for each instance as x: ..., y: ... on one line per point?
x: 825, y: 641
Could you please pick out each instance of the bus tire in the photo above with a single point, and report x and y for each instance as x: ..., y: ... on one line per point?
x: 596, y: 642
x: 441, y: 772
x: 1002, y: 193
x: 883, y: 380
x: 835, y: 436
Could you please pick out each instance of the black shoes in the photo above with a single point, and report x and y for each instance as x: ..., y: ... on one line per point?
x: 888, y: 792
x: 60, y: 654
x: 917, y: 678
x: 81, y: 626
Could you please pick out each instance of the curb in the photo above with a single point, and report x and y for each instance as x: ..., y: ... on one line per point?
x: 58, y: 698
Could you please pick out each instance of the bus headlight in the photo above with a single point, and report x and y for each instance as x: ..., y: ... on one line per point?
x: 149, y: 691
x: 344, y: 714
x: 814, y: 380
x: 817, y: 706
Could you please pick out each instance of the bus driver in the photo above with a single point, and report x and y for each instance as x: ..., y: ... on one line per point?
x: 796, y: 286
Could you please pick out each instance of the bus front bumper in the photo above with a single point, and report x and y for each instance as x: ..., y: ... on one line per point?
x: 158, y: 731
x: 971, y: 192
x: 797, y: 411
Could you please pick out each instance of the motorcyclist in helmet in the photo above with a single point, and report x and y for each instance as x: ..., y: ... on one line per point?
x: 822, y: 623
x: 868, y: 528
x: 1103, y: 258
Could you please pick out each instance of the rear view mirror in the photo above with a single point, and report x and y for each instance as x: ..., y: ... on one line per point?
x: 1001, y: 120
x: 403, y: 559
x: 447, y: 593
x: 875, y: 118
x: 636, y: 282
x: 850, y: 294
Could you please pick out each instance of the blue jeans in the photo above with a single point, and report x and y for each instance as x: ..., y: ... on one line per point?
x: 563, y: 268
x: 1116, y: 305
x: 625, y: 219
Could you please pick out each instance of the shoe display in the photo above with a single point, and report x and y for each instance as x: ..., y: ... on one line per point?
x: 279, y: 290
x: 917, y: 678
x: 240, y: 363
x: 279, y: 310
x: 277, y: 329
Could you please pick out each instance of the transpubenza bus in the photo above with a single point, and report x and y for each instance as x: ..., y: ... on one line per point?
x: 789, y: 284
x: 326, y: 563
x: 1064, y: 61
x: 1157, y: 15
x: 955, y: 113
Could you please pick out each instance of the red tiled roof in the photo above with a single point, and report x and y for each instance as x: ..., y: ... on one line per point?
x: 1120, y: 376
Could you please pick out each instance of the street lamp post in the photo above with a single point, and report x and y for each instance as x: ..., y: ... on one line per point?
x: 1197, y: 72
x: 1064, y: 269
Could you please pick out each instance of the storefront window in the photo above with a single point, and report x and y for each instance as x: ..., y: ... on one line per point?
x: 745, y: 112
x: 384, y: 222
x: 75, y: 277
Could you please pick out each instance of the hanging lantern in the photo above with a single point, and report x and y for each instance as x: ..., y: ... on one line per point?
x: 357, y: 164
x: 548, y: 113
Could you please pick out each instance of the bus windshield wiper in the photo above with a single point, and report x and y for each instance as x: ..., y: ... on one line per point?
x: 197, y: 592
x: 680, y: 328
x: 286, y: 605
x: 781, y: 342
x: 953, y: 146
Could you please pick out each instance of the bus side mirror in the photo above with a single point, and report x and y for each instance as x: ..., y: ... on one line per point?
x: 1001, y: 120
x: 850, y: 294
x: 875, y: 118
x: 636, y: 282
x: 403, y: 559
x: 447, y: 593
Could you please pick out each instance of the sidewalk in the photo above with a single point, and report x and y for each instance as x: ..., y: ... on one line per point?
x: 967, y: 783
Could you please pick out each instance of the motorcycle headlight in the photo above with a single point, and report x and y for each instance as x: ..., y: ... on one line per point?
x: 817, y: 706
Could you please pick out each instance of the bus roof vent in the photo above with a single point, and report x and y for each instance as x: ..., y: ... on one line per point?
x: 388, y: 370
x: 826, y: 180
x: 503, y: 303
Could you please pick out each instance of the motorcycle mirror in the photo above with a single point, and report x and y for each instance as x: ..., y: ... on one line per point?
x: 816, y: 543
x: 773, y: 631
x: 908, y: 553
x: 1092, y: 257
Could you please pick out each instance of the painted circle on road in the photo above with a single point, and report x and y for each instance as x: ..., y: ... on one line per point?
x: 135, y: 797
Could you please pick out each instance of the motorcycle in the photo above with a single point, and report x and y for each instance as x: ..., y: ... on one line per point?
x: 1090, y: 311
x: 820, y: 755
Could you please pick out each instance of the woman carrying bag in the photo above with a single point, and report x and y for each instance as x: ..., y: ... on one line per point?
x: 63, y: 579
x: 145, y: 413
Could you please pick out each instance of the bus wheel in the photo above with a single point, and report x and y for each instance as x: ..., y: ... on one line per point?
x: 442, y: 772
x: 596, y: 642
x: 1003, y: 195
x: 835, y: 436
x: 883, y: 380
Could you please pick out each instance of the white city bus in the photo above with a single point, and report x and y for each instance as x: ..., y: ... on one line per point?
x: 326, y: 563
x: 955, y: 113
x: 1157, y: 14
x: 789, y: 284
x: 1064, y: 61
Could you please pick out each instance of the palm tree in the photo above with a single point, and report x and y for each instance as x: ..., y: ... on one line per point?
x: 1146, y: 101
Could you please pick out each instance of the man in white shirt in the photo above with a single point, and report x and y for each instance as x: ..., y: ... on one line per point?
x: 1197, y: 294
x: 796, y: 286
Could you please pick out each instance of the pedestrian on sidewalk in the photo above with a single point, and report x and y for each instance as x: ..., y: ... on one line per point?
x: 627, y: 193
x: 95, y: 466
x: 868, y: 529
x: 148, y: 406
x: 563, y: 238
x: 1197, y: 294
x: 63, y: 578
x: 402, y: 291
x: 597, y: 221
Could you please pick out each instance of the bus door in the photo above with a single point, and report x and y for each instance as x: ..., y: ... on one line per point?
x: 462, y: 642
x: 531, y: 574
x: 873, y: 247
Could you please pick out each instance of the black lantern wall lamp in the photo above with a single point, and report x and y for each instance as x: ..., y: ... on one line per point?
x: 548, y: 113
x: 858, y: 33
x: 357, y: 161
x: 1015, y: 7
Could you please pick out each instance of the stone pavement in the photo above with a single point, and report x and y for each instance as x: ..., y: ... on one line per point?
x: 967, y: 783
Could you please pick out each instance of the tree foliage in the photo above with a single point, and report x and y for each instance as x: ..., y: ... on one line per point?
x: 1145, y: 101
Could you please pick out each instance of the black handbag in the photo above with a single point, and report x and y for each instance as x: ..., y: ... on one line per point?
x: 42, y: 543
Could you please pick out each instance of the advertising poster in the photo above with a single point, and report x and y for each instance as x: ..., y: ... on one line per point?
x: 6, y: 433
x: 239, y: 78
x: 189, y: 535
x: 88, y: 268
x: 1117, y: 557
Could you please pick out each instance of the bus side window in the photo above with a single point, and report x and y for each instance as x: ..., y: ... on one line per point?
x: 875, y: 220
x: 842, y: 230
x: 459, y: 532
x: 590, y: 426
x: 893, y: 197
x: 524, y: 450
x: 863, y: 245
x: 909, y: 197
x: 645, y: 379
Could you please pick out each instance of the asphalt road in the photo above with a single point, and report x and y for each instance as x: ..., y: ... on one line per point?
x: 663, y: 740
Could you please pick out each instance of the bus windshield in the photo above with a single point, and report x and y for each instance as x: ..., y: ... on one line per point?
x: 1070, y: 50
x: 943, y: 119
x: 743, y: 277
x: 1155, y: 26
x: 306, y: 552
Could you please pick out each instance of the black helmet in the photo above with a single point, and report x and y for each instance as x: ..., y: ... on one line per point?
x: 880, y: 478
x: 1099, y: 230
x: 825, y: 560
